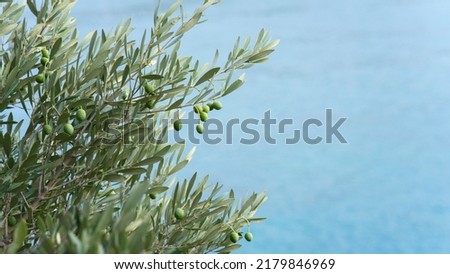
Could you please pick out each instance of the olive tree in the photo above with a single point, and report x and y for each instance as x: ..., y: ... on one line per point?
x: 84, y: 165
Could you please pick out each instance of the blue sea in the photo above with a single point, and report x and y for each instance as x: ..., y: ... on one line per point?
x: 382, y: 64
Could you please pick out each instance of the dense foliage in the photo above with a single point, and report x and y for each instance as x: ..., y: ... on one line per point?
x: 82, y: 165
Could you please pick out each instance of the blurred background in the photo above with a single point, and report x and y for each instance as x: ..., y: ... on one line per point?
x: 384, y: 65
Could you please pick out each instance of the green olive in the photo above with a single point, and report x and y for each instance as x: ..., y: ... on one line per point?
x: 197, y: 109
x: 203, y: 116
x: 248, y: 236
x: 125, y: 96
x: 48, y: 129
x: 234, y: 237
x: 12, y: 220
x: 68, y: 128
x: 148, y: 88
x: 177, y: 125
x: 150, y: 103
x: 206, y: 108
x: 200, y: 129
x: 179, y: 213
x: 45, y: 53
x: 217, y: 105
x: 40, y: 78
x: 81, y: 115
x: 152, y: 196
x: 44, y: 61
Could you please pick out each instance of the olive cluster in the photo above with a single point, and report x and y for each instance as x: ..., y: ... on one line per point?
x: 45, y: 58
x: 234, y: 236
x: 202, y: 111
x: 150, y: 91
x: 80, y: 115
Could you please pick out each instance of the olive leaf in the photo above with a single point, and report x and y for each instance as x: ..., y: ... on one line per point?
x: 207, y: 76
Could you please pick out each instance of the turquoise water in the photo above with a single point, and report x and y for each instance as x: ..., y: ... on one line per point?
x: 385, y: 66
